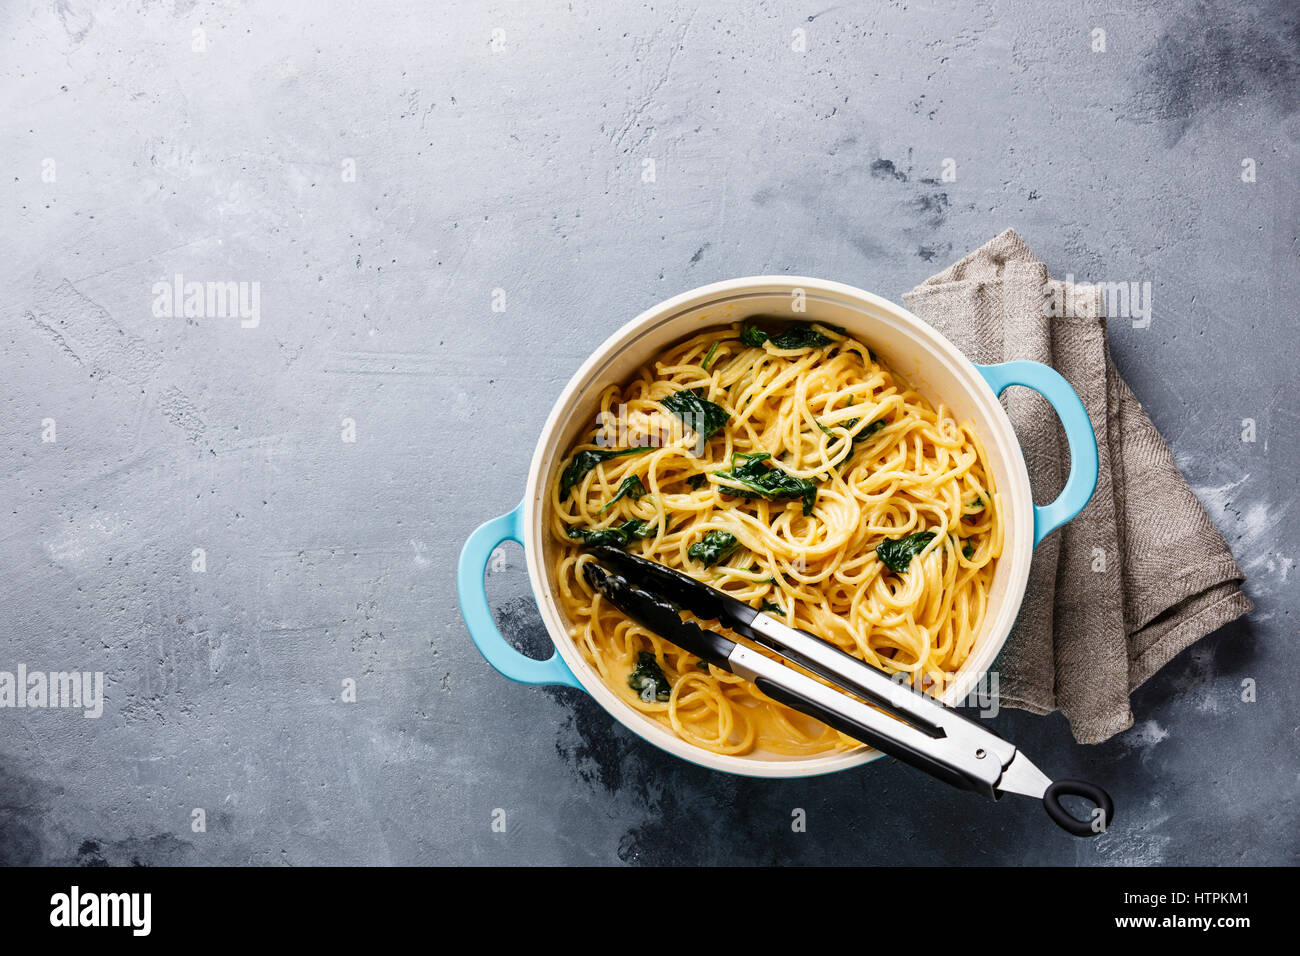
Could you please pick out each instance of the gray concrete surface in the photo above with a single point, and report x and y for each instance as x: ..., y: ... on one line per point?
x: 131, y: 156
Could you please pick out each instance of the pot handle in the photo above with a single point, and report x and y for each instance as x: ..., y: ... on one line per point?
x: 478, y: 616
x: 1082, y: 481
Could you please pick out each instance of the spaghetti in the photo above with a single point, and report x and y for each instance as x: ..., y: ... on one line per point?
x: 795, y: 472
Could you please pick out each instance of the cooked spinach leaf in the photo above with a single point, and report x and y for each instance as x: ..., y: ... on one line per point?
x: 698, y: 414
x: 638, y: 530
x: 696, y: 482
x: 976, y: 506
x: 630, y: 488
x: 760, y: 481
x: 714, y: 547
x: 968, y: 550
x: 870, y: 430
x: 897, y: 553
x: 634, y: 529
x: 648, y: 679
x: 863, y: 435
x: 584, y: 461
x: 709, y: 357
x: 800, y: 335
x: 770, y: 607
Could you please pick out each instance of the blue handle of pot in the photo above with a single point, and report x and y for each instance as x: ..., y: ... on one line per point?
x: 1082, y: 481
x: 472, y: 589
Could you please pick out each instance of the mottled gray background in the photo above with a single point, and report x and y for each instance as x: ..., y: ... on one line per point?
x: 521, y: 169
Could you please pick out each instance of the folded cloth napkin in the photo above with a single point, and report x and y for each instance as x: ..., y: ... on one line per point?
x: 1142, y: 572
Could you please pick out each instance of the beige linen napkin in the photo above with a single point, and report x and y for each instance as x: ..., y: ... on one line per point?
x: 1141, y: 573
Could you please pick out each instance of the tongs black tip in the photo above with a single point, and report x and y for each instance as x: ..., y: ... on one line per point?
x: 660, y: 614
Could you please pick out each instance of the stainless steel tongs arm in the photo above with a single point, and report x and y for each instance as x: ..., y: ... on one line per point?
x: 968, y: 740
x: 935, y: 738
x: 953, y: 759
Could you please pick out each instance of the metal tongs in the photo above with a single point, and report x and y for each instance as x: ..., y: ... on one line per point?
x: 904, y: 723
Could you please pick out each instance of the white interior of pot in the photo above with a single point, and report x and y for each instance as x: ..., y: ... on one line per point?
x: 929, y: 364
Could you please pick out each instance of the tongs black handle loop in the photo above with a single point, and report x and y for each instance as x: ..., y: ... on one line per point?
x: 1067, y: 821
